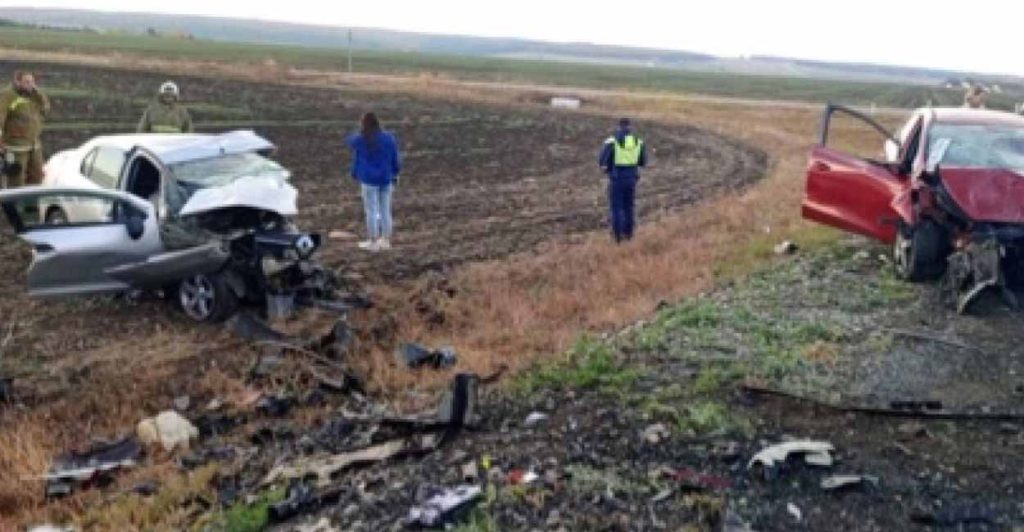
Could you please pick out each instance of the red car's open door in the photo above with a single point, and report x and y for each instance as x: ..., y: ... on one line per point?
x: 850, y: 192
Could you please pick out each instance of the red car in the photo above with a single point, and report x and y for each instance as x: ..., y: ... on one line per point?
x: 949, y: 197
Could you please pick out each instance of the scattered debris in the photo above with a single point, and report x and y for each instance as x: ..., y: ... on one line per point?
x: 446, y: 506
x: 323, y: 467
x: 838, y: 482
x: 786, y: 247
x: 913, y: 429
x: 916, y: 406
x: 657, y: 433
x: 956, y: 515
x: 339, y: 234
x: 182, y: 403
x: 794, y: 511
x: 301, y: 498
x: 169, y: 428
x: 51, y: 528
x: 535, y: 418
x: 732, y: 522
x: 323, y: 525
x: 146, y: 489
x: 815, y: 453
x: 90, y: 467
x: 519, y: 477
x: 458, y: 406
x: 417, y: 356
x: 470, y: 472
x: 277, y: 405
x: 6, y: 390
x: 693, y: 480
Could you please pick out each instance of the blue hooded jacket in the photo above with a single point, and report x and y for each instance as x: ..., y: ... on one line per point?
x: 375, y: 163
x: 621, y: 173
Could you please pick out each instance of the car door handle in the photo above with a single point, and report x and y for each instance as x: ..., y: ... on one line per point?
x: 819, y: 166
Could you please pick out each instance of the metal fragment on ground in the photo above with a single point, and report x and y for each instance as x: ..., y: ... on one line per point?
x: 73, y: 469
x: 815, y: 453
x: 324, y: 467
x: 444, y: 507
x: 837, y: 482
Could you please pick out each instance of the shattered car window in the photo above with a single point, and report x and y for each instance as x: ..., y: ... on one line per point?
x: 220, y: 171
x: 190, y: 176
x: 979, y: 146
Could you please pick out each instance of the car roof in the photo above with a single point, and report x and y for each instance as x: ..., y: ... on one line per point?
x: 177, y: 148
x: 963, y: 115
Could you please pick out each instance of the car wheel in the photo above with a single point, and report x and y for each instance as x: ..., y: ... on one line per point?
x: 919, y: 252
x: 56, y: 216
x: 207, y: 298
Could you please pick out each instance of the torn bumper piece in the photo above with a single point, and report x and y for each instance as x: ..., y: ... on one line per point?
x: 73, y: 469
x: 974, y: 269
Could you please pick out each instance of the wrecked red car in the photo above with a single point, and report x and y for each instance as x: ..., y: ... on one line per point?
x: 948, y: 195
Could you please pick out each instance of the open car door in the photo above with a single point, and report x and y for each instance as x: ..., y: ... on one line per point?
x: 849, y: 192
x: 73, y: 256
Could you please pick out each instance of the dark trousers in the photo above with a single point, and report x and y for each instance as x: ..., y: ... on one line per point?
x: 622, y: 203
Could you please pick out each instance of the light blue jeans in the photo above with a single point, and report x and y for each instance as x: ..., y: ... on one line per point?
x: 377, y: 204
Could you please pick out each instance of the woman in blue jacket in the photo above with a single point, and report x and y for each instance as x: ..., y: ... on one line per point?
x: 376, y: 165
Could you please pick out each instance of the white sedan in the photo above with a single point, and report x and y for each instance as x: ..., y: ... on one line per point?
x: 205, y: 215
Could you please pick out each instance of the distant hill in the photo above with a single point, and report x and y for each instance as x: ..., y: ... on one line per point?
x: 257, y: 31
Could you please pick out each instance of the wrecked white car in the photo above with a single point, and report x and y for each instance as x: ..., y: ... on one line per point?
x: 203, y: 217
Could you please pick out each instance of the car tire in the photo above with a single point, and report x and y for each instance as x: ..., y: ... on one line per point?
x: 919, y: 252
x: 207, y: 298
x: 56, y: 216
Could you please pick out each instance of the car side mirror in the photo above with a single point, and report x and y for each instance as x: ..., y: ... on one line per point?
x: 136, y: 225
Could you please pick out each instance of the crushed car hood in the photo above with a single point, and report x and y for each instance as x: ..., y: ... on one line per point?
x: 986, y: 195
x: 264, y: 193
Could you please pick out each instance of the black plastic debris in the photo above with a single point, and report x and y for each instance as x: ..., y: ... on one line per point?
x: 916, y: 406
x: 458, y: 406
x: 955, y: 515
x: 253, y: 329
x: 301, y: 498
x: 215, y: 424
x: 198, y: 459
x: 275, y: 405
x: 417, y: 356
x: 92, y: 467
x: 145, y: 489
x: 6, y: 390
x: 443, y: 506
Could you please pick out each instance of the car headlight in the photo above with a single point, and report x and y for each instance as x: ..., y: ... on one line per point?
x: 305, y: 246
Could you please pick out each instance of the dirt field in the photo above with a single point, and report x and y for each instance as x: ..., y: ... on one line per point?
x: 480, y: 182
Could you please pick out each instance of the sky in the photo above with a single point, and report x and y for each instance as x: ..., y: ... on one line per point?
x: 898, y: 32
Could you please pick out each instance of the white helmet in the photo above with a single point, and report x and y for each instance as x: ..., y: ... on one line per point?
x: 169, y: 87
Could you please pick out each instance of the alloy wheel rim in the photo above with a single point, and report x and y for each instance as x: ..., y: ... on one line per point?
x: 197, y: 297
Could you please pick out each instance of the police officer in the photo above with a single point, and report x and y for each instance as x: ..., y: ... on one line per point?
x: 22, y: 109
x: 166, y: 115
x: 622, y: 156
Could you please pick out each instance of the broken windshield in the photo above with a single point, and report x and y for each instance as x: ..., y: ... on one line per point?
x: 979, y: 146
x: 191, y: 176
x: 220, y: 171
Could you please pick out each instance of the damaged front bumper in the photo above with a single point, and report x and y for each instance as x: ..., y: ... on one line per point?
x: 976, y: 267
